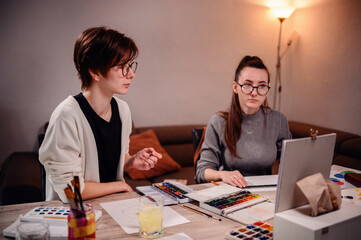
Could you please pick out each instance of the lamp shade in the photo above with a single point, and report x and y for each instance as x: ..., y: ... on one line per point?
x: 282, y: 12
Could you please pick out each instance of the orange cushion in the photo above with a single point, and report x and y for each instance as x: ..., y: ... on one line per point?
x: 149, y: 139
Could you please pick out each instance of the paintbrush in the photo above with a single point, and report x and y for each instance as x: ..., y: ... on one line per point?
x: 77, y: 192
x: 71, y: 198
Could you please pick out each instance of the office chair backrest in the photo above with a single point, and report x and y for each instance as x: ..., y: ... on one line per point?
x: 42, y: 169
x: 198, y: 137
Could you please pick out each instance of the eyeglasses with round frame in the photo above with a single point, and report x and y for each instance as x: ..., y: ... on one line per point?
x: 248, y: 88
x: 126, y: 68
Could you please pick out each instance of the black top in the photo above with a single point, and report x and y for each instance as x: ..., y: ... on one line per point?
x: 107, y: 137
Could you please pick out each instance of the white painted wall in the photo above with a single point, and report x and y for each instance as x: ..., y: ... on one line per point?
x: 189, y: 50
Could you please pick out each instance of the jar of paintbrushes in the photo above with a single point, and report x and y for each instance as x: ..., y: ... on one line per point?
x: 81, y: 219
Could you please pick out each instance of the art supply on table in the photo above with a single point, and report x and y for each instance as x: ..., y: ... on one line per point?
x: 51, y: 214
x: 224, y: 205
x: 47, y: 213
x: 56, y: 217
x: 262, y: 183
x: 354, y: 179
x: 258, y: 230
x: 215, y: 183
x: 261, y: 186
x: 81, y: 218
x: 259, y: 212
x: 201, y: 213
x: 173, y: 192
x: 226, y: 199
x: 212, y: 192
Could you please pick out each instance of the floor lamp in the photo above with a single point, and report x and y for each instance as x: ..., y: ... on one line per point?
x: 281, y: 13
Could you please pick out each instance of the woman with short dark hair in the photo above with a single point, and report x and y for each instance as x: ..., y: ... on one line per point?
x: 88, y: 134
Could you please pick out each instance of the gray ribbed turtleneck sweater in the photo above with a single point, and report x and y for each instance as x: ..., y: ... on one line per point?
x: 258, y: 147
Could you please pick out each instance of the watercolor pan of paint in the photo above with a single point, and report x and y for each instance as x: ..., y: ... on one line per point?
x: 258, y: 230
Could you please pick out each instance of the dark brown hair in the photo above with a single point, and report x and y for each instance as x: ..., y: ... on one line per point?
x: 234, y: 116
x: 100, y: 48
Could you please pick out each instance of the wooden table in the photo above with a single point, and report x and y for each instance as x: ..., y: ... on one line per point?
x: 199, y: 226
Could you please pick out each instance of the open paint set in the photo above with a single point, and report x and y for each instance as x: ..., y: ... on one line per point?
x: 172, y: 189
x: 54, y: 213
x: 226, y: 204
x: 258, y: 230
x: 173, y: 192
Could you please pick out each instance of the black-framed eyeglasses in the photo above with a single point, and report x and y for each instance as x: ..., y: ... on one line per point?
x: 248, y: 88
x: 127, y: 67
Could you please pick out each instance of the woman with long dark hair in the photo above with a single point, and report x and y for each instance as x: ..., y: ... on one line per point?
x: 247, y: 139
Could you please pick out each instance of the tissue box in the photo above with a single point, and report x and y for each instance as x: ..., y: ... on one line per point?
x: 296, y: 224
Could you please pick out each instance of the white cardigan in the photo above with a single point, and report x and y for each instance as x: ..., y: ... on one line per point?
x: 69, y: 148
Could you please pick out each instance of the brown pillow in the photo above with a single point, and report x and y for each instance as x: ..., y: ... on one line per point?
x: 164, y: 165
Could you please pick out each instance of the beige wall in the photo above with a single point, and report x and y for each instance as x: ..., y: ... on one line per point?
x: 189, y: 50
x: 323, y: 70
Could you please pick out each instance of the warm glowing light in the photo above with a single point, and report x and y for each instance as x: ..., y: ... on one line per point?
x: 282, y: 12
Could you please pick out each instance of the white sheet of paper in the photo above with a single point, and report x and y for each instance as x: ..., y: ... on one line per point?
x: 334, y: 175
x: 179, y: 236
x: 261, y: 180
x: 355, y: 193
x: 212, y: 192
x: 124, y: 213
x: 258, y: 212
x: 262, y: 189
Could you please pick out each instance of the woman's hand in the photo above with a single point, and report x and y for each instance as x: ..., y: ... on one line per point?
x: 144, y: 159
x: 234, y: 178
x: 123, y: 187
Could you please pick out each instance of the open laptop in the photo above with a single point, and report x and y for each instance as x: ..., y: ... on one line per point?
x: 301, y: 158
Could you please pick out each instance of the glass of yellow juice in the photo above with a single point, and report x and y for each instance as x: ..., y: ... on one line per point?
x: 151, y: 216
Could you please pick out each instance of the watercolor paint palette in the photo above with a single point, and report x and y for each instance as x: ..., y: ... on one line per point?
x: 224, y: 205
x: 258, y: 230
x: 172, y: 189
x: 56, y: 213
x: 53, y: 214
x: 174, y: 192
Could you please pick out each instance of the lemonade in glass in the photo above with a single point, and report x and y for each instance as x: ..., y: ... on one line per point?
x: 151, y: 217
